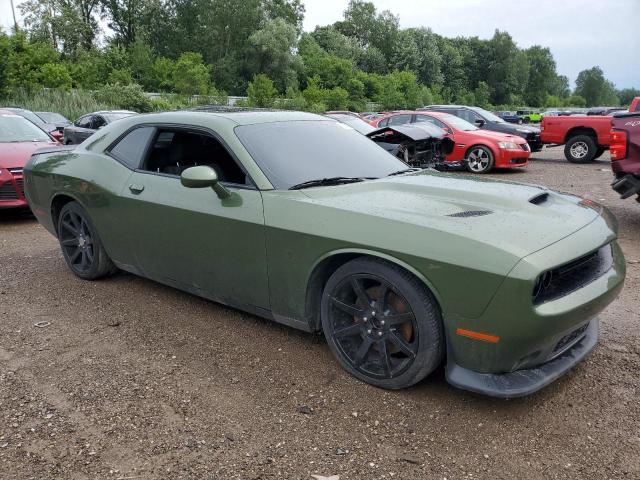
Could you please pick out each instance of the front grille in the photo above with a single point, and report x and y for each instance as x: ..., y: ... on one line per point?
x: 566, y: 341
x: 518, y: 160
x: 20, y: 185
x: 15, y: 171
x: 7, y: 192
x: 572, y: 276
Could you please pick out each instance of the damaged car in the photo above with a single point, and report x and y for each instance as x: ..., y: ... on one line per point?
x: 300, y: 219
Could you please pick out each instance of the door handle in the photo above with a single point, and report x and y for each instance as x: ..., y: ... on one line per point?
x: 136, y: 188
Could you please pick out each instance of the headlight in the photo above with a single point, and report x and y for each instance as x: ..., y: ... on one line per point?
x: 508, y: 146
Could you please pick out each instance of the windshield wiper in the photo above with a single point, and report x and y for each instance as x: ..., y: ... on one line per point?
x: 404, y: 170
x: 321, y: 182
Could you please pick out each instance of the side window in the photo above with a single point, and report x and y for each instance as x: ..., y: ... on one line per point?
x: 468, y: 115
x: 98, y: 122
x: 383, y: 123
x: 432, y: 120
x: 399, y: 120
x: 84, y: 122
x: 130, y: 150
x: 175, y: 150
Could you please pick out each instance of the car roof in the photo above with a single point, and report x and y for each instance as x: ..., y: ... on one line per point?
x: 247, y: 117
x: 112, y: 111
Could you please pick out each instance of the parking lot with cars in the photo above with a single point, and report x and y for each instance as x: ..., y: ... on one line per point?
x: 126, y: 378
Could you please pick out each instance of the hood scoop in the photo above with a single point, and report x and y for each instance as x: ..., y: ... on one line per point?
x: 471, y: 213
x: 539, y: 199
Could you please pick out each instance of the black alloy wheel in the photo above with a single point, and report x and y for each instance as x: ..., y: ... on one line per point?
x: 381, y: 324
x: 81, y: 245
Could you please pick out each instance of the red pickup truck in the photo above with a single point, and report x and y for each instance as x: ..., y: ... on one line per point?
x: 625, y: 153
x: 585, y: 138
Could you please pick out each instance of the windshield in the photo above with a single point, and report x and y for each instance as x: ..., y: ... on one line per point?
x: 29, y: 115
x: 457, y: 122
x: 112, y: 117
x: 52, y: 117
x: 487, y: 115
x: 290, y: 153
x: 354, y: 122
x: 14, y: 128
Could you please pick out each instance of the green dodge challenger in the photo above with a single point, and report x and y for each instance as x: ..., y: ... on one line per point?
x: 300, y: 219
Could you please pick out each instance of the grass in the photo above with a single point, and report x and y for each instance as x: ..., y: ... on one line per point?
x: 71, y: 104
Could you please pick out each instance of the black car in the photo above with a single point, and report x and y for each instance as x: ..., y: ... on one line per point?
x: 87, y: 125
x: 604, y: 110
x: 488, y: 121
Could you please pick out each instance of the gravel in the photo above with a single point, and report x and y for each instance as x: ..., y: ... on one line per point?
x: 125, y: 378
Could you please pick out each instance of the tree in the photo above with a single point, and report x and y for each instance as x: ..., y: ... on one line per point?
x: 261, y: 91
x: 507, y: 69
x: 190, y: 75
x: 291, y: 11
x: 274, y: 51
x: 628, y: 94
x: 594, y: 88
x: 542, y: 76
x: 124, y: 18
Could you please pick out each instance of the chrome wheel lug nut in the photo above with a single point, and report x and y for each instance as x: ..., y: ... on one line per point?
x: 381, y: 322
x: 365, y: 318
x: 369, y: 331
x: 379, y: 334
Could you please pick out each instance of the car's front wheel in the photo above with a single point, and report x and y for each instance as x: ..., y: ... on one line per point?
x: 479, y: 159
x: 382, y: 324
x: 81, y: 245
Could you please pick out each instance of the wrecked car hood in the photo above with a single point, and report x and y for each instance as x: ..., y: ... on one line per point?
x: 415, y: 132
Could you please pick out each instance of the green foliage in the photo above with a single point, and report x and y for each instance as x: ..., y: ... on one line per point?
x: 55, y: 75
x: 575, y: 101
x: 187, y: 48
x: 126, y: 97
x: 261, y: 91
x: 626, y: 95
x: 190, y: 75
x: 595, y: 88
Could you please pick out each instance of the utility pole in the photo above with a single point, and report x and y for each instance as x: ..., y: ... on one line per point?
x: 15, y: 22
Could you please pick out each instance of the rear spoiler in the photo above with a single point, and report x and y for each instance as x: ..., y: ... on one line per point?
x: 60, y: 149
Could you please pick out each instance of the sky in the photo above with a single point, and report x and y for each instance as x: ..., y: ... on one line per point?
x: 580, y: 33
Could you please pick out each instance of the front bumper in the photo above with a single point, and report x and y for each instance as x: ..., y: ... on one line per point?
x: 527, y: 381
x: 627, y: 186
x: 11, y: 189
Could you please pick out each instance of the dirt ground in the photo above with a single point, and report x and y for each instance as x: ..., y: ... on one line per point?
x: 134, y: 380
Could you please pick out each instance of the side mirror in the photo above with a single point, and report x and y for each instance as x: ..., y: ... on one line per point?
x: 202, y: 177
x: 480, y: 122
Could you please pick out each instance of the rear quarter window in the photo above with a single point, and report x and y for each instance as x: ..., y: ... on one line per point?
x: 131, y: 149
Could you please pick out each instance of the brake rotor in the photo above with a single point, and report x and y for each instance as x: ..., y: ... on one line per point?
x: 397, y: 305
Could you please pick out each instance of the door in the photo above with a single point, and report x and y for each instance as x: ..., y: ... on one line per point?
x: 83, y: 129
x: 188, y: 237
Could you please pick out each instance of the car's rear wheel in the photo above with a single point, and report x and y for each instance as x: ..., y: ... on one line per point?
x: 580, y: 149
x: 381, y: 323
x: 81, y: 245
x: 479, y: 159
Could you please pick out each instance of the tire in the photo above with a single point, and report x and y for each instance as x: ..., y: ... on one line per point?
x: 519, y: 121
x: 479, y: 159
x: 381, y: 323
x: 599, y: 152
x: 580, y: 149
x: 527, y: 120
x: 81, y: 245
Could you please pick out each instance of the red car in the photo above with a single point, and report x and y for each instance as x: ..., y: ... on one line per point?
x: 19, y: 138
x: 478, y: 150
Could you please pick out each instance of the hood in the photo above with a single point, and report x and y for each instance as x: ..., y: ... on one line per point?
x: 15, y: 155
x: 468, y: 212
x: 519, y: 129
x: 499, y: 136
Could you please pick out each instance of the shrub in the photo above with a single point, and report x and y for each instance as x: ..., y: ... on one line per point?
x: 127, y: 97
x: 55, y: 75
x: 261, y: 92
